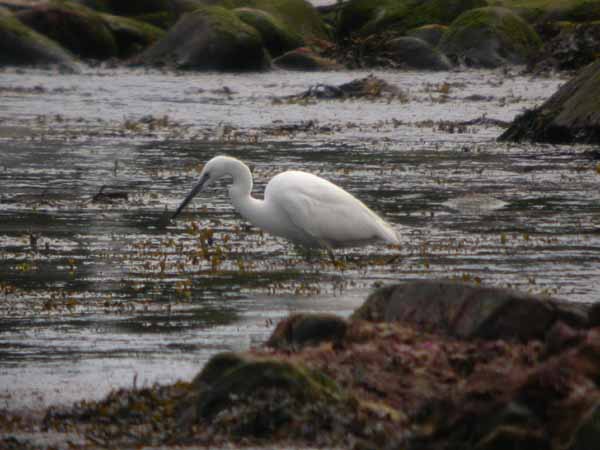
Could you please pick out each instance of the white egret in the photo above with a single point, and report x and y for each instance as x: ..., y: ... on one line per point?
x: 301, y: 207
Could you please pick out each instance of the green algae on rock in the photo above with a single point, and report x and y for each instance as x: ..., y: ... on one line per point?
x: 297, y: 16
x: 131, y: 36
x: 276, y: 37
x: 541, y: 11
x: 490, y: 37
x: 160, y: 13
x: 77, y: 28
x: 365, y: 17
x: 210, y: 38
x: 571, y: 115
x: 22, y: 46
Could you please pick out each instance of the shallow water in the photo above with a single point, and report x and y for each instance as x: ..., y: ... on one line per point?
x: 99, y: 292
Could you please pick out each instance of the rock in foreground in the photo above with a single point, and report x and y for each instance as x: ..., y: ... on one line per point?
x: 378, y: 380
x: 571, y: 115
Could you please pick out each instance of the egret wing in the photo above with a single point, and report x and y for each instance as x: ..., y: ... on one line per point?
x: 326, y: 213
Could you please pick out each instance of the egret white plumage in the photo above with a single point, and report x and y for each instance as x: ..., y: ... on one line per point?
x: 301, y: 207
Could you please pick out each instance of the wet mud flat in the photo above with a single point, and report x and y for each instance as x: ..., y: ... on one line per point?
x: 99, y: 291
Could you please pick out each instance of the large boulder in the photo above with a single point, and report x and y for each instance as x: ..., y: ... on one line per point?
x: 490, y: 37
x: 364, y: 17
x: 277, y: 38
x: 75, y: 27
x: 131, y: 36
x: 571, y: 115
x: 297, y: 16
x: 414, y: 53
x: 22, y: 46
x: 210, y: 38
x: 469, y: 311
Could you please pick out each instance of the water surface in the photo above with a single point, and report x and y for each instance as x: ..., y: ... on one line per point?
x: 101, y: 291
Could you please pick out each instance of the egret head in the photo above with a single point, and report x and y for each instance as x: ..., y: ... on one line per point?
x: 214, y: 169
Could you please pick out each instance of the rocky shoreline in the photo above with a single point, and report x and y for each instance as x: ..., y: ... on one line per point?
x: 260, y: 35
x: 421, y: 365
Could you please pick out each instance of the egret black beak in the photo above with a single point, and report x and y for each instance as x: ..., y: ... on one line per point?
x: 190, y: 196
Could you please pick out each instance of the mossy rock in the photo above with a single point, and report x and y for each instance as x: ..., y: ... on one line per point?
x: 571, y: 115
x: 432, y: 34
x: 490, y: 37
x: 553, y: 10
x: 365, y: 17
x: 297, y: 16
x: 210, y: 38
x: 22, y: 46
x: 276, y: 37
x: 227, y: 379
x: 127, y: 7
x: 160, y: 13
x: 75, y: 27
x: 304, y: 60
x: 131, y: 36
x: 414, y: 53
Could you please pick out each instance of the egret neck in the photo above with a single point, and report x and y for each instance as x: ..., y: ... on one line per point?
x: 240, y: 193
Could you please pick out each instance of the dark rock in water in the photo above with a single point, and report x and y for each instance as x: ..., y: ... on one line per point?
x: 304, y: 59
x: 299, y: 330
x: 414, y: 53
x: 366, y: 17
x: 276, y: 37
x: 210, y: 38
x: 267, y: 394
x: 22, y: 46
x: 490, y: 37
x: 75, y: 27
x: 368, y: 87
x: 432, y: 33
x: 571, y: 47
x: 469, y: 311
x: 571, y: 115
